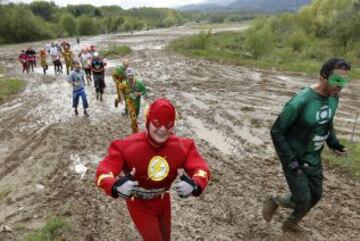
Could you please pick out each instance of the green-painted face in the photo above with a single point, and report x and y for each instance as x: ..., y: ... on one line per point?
x: 338, y: 80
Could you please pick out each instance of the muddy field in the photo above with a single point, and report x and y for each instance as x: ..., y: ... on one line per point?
x: 48, y: 156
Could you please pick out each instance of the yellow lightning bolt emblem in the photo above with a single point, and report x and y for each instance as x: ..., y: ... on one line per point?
x: 158, y: 168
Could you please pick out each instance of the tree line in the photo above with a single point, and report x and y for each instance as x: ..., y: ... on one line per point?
x: 44, y: 20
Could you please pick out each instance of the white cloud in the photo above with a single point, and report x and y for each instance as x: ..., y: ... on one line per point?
x: 125, y: 3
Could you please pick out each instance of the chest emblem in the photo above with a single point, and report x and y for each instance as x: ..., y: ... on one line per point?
x: 158, y: 169
x: 323, y: 115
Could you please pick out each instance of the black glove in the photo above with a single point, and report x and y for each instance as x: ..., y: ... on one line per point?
x: 125, y: 186
x: 338, y: 147
x: 294, y: 165
x: 187, y: 187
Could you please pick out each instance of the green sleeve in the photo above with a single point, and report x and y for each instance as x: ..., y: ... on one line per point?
x: 141, y: 87
x: 283, y: 123
x: 332, y: 140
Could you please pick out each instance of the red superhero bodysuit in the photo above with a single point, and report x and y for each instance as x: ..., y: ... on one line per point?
x: 156, y: 169
x: 23, y: 59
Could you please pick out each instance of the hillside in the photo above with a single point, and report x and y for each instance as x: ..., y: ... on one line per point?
x: 243, y: 5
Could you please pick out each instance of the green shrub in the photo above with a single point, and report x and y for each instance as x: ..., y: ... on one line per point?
x: 297, y: 40
x: 259, y: 43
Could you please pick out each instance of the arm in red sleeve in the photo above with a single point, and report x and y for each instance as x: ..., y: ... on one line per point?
x: 110, y: 167
x: 196, y: 167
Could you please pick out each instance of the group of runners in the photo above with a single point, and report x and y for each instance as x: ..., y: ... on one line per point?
x: 141, y: 168
x: 89, y: 67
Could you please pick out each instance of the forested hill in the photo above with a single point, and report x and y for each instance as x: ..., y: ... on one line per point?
x: 45, y: 20
x: 244, y: 5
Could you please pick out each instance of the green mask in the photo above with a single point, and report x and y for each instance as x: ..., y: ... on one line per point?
x: 338, y: 80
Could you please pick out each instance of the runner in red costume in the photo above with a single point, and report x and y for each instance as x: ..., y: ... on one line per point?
x: 151, y: 161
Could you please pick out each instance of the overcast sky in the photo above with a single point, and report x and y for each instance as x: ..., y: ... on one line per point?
x: 125, y: 3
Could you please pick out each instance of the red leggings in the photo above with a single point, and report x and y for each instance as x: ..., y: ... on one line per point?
x: 152, y: 218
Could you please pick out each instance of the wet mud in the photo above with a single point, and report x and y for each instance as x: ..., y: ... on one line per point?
x: 48, y: 155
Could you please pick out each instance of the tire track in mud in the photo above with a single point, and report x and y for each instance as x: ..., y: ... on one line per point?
x: 227, y: 109
x: 11, y: 162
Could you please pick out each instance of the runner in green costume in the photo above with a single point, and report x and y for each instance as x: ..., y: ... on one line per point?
x: 133, y: 90
x: 299, y: 135
x: 119, y: 75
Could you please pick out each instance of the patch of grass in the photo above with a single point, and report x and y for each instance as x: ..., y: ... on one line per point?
x: 4, y: 194
x: 10, y: 86
x: 116, y: 51
x: 351, y: 163
x: 231, y: 47
x: 53, y: 229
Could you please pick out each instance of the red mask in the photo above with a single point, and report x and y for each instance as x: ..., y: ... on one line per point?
x: 161, y: 113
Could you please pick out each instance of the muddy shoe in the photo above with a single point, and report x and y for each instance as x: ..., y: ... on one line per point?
x: 292, y: 227
x: 101, y: 97
x: 97, y: 96
x: 116, y: 103
x: 76, y: 112
x: 269, y: 208
x: 86, y: 113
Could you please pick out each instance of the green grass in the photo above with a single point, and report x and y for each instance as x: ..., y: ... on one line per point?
x: 53, y: 230
x: 230, y: 47
x: 351, y: 163
x: 4, y: 194
x: 116, y: 51
x: 9, y: 86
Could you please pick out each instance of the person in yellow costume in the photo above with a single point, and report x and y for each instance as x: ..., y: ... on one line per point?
x: 68, y: 56
x: 43, y: 62
x: 119, y: 76
x: 132, y: 89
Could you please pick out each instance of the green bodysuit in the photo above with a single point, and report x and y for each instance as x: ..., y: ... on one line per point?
x: 300, y: 131
x: 304, y: 126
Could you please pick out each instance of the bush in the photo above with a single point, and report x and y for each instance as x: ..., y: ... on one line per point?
x: 196, y: 42
x: 297, y: 40
x: 259, y: 43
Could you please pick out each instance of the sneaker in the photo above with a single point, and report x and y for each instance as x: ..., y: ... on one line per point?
x: 76, y: 112
x: 269, y: 208
x: 292, y: 226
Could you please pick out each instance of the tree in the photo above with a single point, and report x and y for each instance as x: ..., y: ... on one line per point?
x: 346, y: 28
x: 128, y: 26
x: 43, y: 9
x: 86, y: 25
x: 68, y: 22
